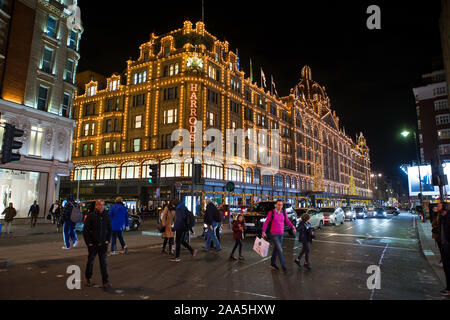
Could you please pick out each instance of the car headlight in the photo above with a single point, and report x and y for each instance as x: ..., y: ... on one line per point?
x: 205, y: 226
x: 262, y: 220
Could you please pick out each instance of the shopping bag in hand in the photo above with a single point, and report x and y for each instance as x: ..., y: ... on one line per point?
x: 261, y: 247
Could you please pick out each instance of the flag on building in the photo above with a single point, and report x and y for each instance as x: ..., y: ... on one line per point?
x: 273, y: 86
x: 238, y: 60
x: 251, y: 71
x: 263, y: 79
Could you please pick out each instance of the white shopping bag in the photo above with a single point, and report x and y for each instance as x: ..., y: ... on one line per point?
x: 261, y: 247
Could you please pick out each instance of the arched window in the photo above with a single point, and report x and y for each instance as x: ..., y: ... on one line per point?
x: 294, y: 183
x: 234, y: 173
x: 316, y: 132
x: 146, y: 168
x: 248, y: 175
x: 84, y: 173
x: 187, y: 171
x: 279, y: 180
x: 130, y: 170
x: 288, y: 182
x: 107, y: 171
x: 257, y: 177
x: 170, y: 168
x: 267, y: 180
x: 213, y: 170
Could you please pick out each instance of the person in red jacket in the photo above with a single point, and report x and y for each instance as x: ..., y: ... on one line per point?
x: 238, y: 234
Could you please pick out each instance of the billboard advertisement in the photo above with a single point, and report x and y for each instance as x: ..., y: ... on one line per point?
x: 427, y: 181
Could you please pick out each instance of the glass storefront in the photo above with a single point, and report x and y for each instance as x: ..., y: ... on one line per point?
x: 21, y: 188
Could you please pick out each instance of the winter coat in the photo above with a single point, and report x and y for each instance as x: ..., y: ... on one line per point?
x: 34, y: 210
x: 97, y: 228
x: 181, y: 218
x: 167, y: 220
x: 57, y: 211
x: 211, y: 214
x: 238, y: 234
x: 445, y: 224
x: 9, y: 213
x: 119, y: 217
x: 304, y: 232
x: 67, y: 212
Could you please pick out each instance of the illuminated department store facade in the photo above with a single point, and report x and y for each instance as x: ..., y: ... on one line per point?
x: 126, y: 126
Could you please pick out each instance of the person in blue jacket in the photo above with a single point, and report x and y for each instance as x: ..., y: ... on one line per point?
x: 120, y: 223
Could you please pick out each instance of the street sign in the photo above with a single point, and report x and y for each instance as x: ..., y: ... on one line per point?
x: 178, y: 185
x: 230, y: 186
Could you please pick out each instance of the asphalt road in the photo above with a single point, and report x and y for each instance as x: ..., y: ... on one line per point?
x: 340, y: 257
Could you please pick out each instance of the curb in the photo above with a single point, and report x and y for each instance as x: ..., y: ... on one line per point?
x: 430, y: 252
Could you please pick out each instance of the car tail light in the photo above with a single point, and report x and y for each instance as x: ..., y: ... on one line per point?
x: 226, y: 213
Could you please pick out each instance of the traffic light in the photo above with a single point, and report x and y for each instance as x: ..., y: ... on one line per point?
x: 153, y: 174
x: 197, y: 173
x: 9, y: 144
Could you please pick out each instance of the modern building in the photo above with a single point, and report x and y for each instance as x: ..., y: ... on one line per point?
x: 444, y: 25
x: 39, y: 56
x: 433, y: 116
x: 187, y: 76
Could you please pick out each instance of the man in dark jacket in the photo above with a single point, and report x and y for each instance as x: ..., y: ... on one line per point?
x: 69, y: 225
x: 444, y: 226
x: 182, y: 225
x: 34, y: 211
x: 212, y: 220
x: 120, y: 222
x: 10, y: 212
x: 97, y: 235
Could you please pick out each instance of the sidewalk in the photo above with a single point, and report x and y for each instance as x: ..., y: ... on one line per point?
x: 429, y: 248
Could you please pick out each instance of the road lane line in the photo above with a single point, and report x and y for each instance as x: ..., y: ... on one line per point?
x: 363, y: 245
x: 379, y: 264
x: 370, y: 237
x: 255, y: 294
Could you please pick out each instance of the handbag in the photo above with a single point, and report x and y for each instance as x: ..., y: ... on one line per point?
x: 261, y: 247
x: 49, y: 217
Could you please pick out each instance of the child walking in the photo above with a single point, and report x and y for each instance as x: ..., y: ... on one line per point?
x: 305, y: 237
x: 238, y: 234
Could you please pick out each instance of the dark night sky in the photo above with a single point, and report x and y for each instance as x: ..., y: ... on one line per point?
x: 369, y: 75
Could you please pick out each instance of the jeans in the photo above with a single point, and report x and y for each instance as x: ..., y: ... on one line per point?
x: 54, y: 218
x: 33, y: 220
x: 277, y: 240
x: 212, y: 236
x: 446, y: 263
x: 115, y: 235
x: 102, y: 251
x: 8, y: 227
x: 180, y: 239
x: 170, y: 241
x: 69, y: 233
x: 305, y: 251
x: 237, y: 244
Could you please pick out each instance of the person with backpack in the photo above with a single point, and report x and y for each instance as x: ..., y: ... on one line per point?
x: 238, y: 235
x: 435, y: 228
x: 97, y: 235
x: 10, y: 213
x: 305, y: 237
x: 71, y: 216
x: 212, y: 220
x: 34, y: 212
x: 120, y: 222
x: 167, y: 219
x: 275, y: 222
x: 183, y: 223
x: 444, y: 238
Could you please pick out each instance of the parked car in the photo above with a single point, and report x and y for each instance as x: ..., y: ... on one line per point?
x: 255, y: 218
x: 361, y: 213
x: 333, y: 216
x: 317, y: 220
x: 392, y: 210
x: 379, y: 213
x: 349, y: 213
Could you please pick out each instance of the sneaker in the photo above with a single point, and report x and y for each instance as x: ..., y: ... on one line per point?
x: 297, y: 262
x: 194, y: 253
x: 113, y: 253
x: 274, y: 267
x: 241, y: 258
x: 87, y: 282
x: 232, y: 258
x: 75, y: 244
x: 445, y: 293
x: 164, y: 251
x: 285, y: 271
x: 106, y: 286
x: 65, y: 248
x: 205, y: 249
x: 175, y: 259
x: 307, y: 266
x: 218, y: 251
x: 125, y: 250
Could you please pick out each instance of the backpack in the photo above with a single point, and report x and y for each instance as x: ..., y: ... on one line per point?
x: 190, y: 220
x: 75, y: 214
x: 217, y: 216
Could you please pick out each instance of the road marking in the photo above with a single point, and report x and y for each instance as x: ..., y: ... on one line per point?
x: 256, y: 294
x: 363, y: 245
x: 428, y: 253
x: 370, y: 237
x: 379, y: 263
x: 349, y: 228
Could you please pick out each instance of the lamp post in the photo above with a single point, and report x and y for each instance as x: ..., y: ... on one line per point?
x: 405, y: 135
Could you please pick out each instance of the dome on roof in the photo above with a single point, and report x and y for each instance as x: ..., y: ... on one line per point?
x: 308, y: 88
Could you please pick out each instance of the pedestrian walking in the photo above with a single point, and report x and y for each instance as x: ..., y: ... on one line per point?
x: 55, y: 212
x: 167, y: 220
x: 34, y: 212
x: 238, y: 235
x: 9, y: 212
x: 212, y: 220
x: 120, y: 222
x: 182, y: 226
x: 69, y: 226
x: 305, y: 237
x: 275, y: 222
x: 97, y: 235
x: 435, y: 228
x: 444, y: 236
